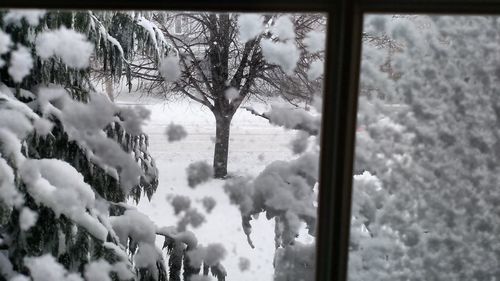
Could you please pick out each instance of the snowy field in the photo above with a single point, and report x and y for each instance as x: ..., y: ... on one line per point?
x: 254, y: 143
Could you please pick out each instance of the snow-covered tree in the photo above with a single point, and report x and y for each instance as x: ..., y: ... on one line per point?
x: 70, y: 159
x: 424, y: 206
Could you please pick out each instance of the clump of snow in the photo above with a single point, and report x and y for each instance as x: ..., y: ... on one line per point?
x: 27, y: 218
x: 68, y: 195
x: 84, y: 123
x: 300, y: 142
x: 72, y: 47
x: 19, y: 277
x: 147, y: 257
x: 150, y: 27
x: 208, y: 203
x: 186, y: 237
x: 296, y: 262
x: 123, y: 271
x: 294, y: 118
x: 43, y: 126
x: 175, y: 132
x: 315, y: 70
x: 191, y: 217
x: 283, y: 189
x: 97, y: 271
x: 180, y: 203
x: 315, y: 41
x: 11, y: 146
x: 231, y: 94
x: 15, y: 16
x: 211, y: 255
x: 133, y: 118
x: 8, y: 191
x: 261, y: 157
x: 201, y: 278
x: 283, y: 28
x: 141, y: 231
x: 46, y: 268
x: 198, y: 172
x: 214, y: 253
x: 240, y: 191
x: 16, y: 122
x: 284, y: 54
x: 5, y: 42
x: 249, y: 26
x: 5, y: 45
x: 21, y: 63
x: 169, y: 68
x: 369, y: 197
x: 244, y: 264
x: 135, y: 225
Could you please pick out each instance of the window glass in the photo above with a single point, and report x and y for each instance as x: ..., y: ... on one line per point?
x: 426, y: 178
x: 154, y: 145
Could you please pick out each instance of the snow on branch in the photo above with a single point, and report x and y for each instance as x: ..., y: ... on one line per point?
x: 295, y: 119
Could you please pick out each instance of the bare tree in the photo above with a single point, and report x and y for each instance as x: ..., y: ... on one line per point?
x: 213, y: 61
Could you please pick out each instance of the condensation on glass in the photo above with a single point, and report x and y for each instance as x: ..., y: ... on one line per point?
x: 155, y: 145
x: 426, y: 177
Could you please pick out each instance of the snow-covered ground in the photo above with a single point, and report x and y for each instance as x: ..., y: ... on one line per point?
x: 254, y: 143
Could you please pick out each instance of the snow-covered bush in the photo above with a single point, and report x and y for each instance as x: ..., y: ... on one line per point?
x: 427, y: 150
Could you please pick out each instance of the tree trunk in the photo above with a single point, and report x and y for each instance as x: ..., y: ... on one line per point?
x: 221, y: 152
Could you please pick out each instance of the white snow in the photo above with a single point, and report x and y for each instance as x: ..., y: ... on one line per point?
x: 199, y: 172
x: 8, y: 191
x: 175, y: 132
x: 20, y: 277
x: 97, y: 271
x: 249, y: 26
x: 201, y: 278
x: 210, y: 255
x: 290, y: 117
x: 123, y: 270
x: 295, y: 262
x: 20, y: 63
x: 135, y: 225
x: 27, y: 218
x: 244, y: 264
x: 283, y: 28
x: 150, y: 28
x: 231, y: 94
x: 191, y: 217
x: 15, y: 16
x: 72, y: 47
x: 284, y: 54
x: 180, y: 203
x: 43, y: 126
x: 16, y: 122
x: 11, y: 146
x: 169, y: 68
x: 315, y: 41
x: 133, y: 118
x: 5, y: 45
x: 68, y: 195
x: 46, y: 268
x: 208, y: 203
x: 315, y: 70
x: 251, y: 136
x: 300, y: 142
x: 84, y: 123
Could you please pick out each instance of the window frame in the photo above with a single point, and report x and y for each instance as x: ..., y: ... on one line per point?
x: 345, y: 18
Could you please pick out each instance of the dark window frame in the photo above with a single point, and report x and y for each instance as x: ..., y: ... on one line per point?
x: 345, y: 19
